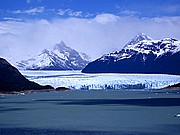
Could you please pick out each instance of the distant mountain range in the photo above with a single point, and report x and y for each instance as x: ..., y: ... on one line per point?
x: 61, y: 57
x: 141, y: 55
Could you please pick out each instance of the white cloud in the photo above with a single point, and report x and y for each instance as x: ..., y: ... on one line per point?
x: 32, y: 11
x: 125, y: 12
x: 11, y: 19
x: 72, y: 13
x: 128, y: 13
x: 75, y: 13
x: 88, y: 15
x: 105, y: 18
x: 30, y: 1
x: 94, y: 36
x: 62, y: 12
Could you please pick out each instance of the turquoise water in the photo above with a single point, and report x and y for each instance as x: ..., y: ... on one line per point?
x: 123, y: 112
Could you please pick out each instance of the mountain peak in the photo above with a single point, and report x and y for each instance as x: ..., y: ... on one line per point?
x: 141, y: 55
x: 59, y: 45
x: 143, y: 36
x: 61, y: 57
x: 138, y: 38
x: 45, y: 51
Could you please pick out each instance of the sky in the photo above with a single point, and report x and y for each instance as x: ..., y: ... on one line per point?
x: 95, y: 27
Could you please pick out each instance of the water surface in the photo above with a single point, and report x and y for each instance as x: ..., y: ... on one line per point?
x: 113, y: 112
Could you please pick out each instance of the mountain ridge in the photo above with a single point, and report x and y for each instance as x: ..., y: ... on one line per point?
x: 141, y: 55
x: 61, y: 57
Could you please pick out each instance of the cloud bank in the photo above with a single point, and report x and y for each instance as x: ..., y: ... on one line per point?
x: 94, y: 36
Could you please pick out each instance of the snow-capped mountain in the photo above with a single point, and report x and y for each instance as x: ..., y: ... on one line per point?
x: 139, y: 37
x: 141, y: 55
x: 61, y: 57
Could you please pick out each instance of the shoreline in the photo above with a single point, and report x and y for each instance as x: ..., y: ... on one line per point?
x: 172, y: 87
x: 23, y: 92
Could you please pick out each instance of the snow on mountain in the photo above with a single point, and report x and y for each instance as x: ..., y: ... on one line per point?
x: 61, y: 57
x: 148, y: 56
x: 145, y: 45
x: 139, y: 37
x: 85, y: 56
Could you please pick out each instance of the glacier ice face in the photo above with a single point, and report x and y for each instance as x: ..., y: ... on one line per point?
x: 81, y: 81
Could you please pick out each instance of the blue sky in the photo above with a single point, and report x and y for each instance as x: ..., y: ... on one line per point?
x: 95, y: 27
x: 48, y: 9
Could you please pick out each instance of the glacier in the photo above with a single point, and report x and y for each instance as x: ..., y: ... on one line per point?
x: 76, y: 80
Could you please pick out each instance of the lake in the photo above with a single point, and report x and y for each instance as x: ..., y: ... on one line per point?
x: 93, y: 112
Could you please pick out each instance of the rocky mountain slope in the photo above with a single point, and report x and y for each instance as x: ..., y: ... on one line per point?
x: 141, y: 55
x: 12, y: 80
x: 61, y: 57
